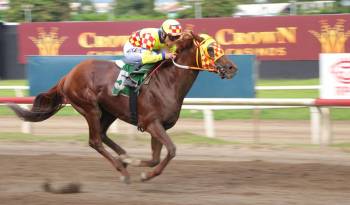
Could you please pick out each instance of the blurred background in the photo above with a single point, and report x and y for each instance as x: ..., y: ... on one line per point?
x: 284, y: 37
x: 104, y: 10
x: 278, y: 139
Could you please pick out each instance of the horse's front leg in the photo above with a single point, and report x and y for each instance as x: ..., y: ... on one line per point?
x: 158, y: 133
x: 156, y: 151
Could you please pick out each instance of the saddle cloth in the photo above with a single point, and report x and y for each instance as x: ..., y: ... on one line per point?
x: 128, y: 70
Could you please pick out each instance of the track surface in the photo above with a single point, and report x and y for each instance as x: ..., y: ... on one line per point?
x: 237, y: 174
x: 253, y: 176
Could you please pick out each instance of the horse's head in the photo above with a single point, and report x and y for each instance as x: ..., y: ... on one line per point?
x: 208, y: 54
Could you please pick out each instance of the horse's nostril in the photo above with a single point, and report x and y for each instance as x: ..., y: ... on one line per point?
x: 232, y: 67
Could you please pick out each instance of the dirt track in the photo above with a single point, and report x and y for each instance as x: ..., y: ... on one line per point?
x: 236, y: 174
x: 254, y: 176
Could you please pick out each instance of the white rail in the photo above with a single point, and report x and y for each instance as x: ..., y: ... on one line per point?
x: 17, y: 88
x: 289, y: 87
x: 319, y: 115
x: 319, y: 120
x: 250, y: 101
x: 14, y: 87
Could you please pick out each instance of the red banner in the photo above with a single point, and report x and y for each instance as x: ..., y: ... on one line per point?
x: 270, y: 38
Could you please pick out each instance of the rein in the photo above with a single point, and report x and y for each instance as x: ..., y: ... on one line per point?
x: 191, y: 67
x: 149, y: 76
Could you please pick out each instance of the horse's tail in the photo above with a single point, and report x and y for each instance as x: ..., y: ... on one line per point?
x: 45, y: 105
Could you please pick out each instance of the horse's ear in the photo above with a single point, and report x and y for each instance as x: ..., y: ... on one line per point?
x: 197, y: 38
x: 187, y: 35
x: 192, y: 33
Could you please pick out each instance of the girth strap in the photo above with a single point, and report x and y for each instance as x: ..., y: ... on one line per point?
x: 133, y: 106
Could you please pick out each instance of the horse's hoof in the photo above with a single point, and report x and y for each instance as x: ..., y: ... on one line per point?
x: 144, y: 176
x: 129, y: 160
x: 124, y: 156
x: 125, y: 179
x: 135, y: 162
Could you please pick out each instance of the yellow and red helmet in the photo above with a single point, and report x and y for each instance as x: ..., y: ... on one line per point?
x: 171, y: 27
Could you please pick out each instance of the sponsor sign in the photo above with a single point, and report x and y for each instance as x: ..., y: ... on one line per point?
x: 335, y: 76
x: 269, y: 38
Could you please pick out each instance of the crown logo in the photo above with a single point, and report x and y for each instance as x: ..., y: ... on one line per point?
x: 332, y: 39
x: 48, y: 43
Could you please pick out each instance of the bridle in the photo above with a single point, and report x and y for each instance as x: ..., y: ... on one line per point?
x: 203, y: 63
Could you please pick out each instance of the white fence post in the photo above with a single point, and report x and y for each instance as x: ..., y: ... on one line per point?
x: 26, y: 127
x: 321, y: 133
x: 256, y: 124
x: 326, y: 135
x: 209, y: 122
x: 315, y: 122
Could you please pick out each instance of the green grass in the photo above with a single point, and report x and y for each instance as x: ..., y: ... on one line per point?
x: 287, y: 94
x: 188, y: 138
x: 283, y: 82
x: 20, y: 137
x: 342, y: 145
x: 271, y: 114
x: 193, y: 114
x: 13, y: 82
x: 178, y: 138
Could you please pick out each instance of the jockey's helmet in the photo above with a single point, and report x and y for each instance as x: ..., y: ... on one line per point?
x: 171, y: 27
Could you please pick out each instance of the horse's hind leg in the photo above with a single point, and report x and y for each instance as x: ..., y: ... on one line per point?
x: 92, y: 115
x: 106, y: 120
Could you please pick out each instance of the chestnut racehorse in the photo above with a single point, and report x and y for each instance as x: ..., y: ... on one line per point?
x: 88, y: 86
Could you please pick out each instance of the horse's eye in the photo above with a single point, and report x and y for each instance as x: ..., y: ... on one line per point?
x: 211, y: 52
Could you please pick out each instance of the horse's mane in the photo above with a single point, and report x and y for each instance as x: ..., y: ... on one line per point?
x: 183, y: 46
x: 186, y: 41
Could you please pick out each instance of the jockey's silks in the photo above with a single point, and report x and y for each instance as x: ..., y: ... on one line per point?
x: 149, y: 39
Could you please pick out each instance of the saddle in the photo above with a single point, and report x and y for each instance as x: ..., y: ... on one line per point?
x: 130, y: 76
x: 128, y: 82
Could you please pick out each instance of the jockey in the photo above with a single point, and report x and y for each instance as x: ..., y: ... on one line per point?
x: 151, y: 45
